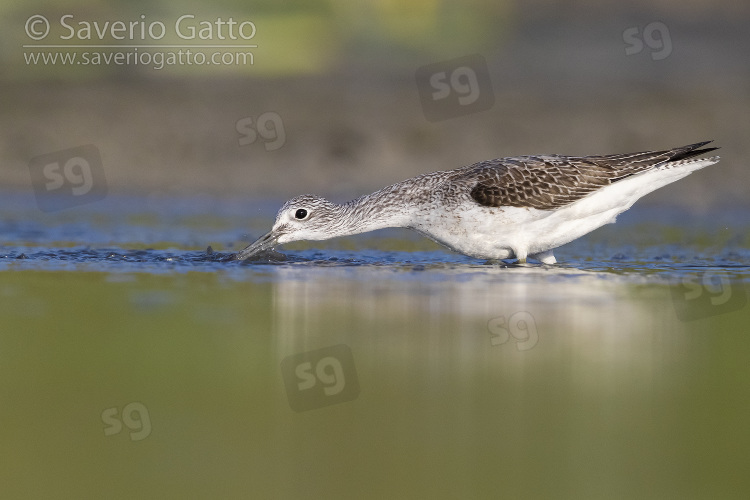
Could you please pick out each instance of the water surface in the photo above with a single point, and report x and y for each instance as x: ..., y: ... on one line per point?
x: 134, y: 361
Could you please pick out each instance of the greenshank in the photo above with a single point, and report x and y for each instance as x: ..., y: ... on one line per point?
x: 519, y: 207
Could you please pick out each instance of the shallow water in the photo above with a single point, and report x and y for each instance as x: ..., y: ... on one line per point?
x: 133, y: 361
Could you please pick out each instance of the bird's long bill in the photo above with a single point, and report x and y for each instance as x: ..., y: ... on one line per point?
x: 265, y: 242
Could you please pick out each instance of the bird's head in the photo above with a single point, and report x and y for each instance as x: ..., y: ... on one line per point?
x: 306, y: 217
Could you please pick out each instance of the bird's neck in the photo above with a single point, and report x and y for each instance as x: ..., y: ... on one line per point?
x: 379, y: 210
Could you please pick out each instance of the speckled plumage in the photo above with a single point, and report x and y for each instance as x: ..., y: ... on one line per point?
x: 549, y: 182
x: 508, y: 207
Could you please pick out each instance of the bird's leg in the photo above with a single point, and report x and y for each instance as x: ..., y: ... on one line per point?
x: 520, y: 255
x: 544, y: 257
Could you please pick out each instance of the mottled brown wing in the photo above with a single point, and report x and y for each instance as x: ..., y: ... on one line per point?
x: 550, y: 182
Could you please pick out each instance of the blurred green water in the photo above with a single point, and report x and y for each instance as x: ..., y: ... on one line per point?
x: 616, y: 397
x: 596, y: 379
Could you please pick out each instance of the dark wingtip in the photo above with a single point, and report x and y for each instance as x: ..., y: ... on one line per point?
x: 691, y: 150
x: 697, y: 145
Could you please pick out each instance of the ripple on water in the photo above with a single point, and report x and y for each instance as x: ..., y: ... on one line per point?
x: 662, y: 267
x: 653, y: 244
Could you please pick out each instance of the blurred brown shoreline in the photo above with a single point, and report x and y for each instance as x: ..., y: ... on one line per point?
x: 562, y: 84
x: 181, y: 137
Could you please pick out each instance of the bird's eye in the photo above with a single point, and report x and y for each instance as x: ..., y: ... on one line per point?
x: 300, y: 213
